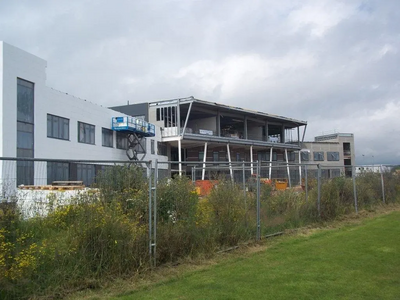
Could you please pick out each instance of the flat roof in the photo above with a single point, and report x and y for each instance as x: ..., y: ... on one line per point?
x: 228, y: 107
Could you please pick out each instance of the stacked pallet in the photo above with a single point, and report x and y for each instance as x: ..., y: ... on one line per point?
x: 56, y: 186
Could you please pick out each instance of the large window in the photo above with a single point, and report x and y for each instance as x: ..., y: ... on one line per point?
x: 57, y: 171
x: 162, y: 149
x: 333, y: 156
x: 86, y: 173
x: 57, y: 127
x: 107, y: 137
x: 122, y: 140
x: 319, y: 156
x: 305, y: 156
x: 25, y: 101
x: 25, y: 129
x: 86, y: 133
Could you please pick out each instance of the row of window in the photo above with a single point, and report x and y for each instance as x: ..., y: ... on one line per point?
x: 320, y: 156
x: 58, y: 127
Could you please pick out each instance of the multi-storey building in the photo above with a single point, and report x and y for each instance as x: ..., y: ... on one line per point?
x: 200, y: 131
x: 334, y: 151
x: 39, y: 122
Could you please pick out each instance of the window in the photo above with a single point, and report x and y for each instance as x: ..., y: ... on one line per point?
x: 216, y: 156
x: 85, y: 133
x: 162, y: 149
x: 291, y: 156
x: 57, y: 127
x: 201, y: 155
x: 237, y: 156
x: 25, y: 129
x: 305, y: 156
x: 25, y: 101
x: 107, y: 137
x: 57, y: 171
x: 332, y: 156
x: 274, y: 156
x: 319, y: 156
x: 153, y: 151
x: 122, y: 141
x: 86, y: 173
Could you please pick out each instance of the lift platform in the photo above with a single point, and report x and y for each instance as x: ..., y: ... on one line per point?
x: 136, y: 130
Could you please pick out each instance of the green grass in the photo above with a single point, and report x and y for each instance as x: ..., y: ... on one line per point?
x: 351, y: 262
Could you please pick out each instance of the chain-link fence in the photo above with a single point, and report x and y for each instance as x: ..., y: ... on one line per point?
x: 84, y: 221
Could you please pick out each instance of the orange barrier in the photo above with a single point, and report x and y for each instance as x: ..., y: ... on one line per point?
x: 281, y: 184
x: 204, y: 187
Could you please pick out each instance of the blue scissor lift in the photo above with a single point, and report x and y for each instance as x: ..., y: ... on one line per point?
x: 136, y: 130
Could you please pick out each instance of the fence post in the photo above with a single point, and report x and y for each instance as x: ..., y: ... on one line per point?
x: 383, y: 185
x: 244, y: 192
x: 353, y: 174
x: 155, y: 212
x: 306, y: 181
x: 150, y: 216
x: 258, y: 203
x: 319, y: 189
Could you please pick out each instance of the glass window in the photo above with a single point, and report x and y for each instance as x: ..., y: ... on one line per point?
x: 216, y: 156
x: 86, y: 173
x: 319, y: 156
x: 153, y: 151
x: 57, y: 171
x: 291, y: 156
x: 162, y: 149
x: 57, y: 127
x: 25, y: 101
x: 333, y: 156
x: 107, y: 137
x: 201, y: 155
x: 274, y: 156
x: 305, y: 156
x: 122, y: 140
x: 86, y: 133
x: 25, y: 172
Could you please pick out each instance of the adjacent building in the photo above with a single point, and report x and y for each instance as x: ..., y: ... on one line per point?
x: 335, y: 152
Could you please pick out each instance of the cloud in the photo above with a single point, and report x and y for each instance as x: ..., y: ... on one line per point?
x: 332, y: 63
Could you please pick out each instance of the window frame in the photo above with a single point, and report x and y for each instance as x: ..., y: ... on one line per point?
x: 88, y: 137
x: 107, y: 133
x: 50, y: 131
x: 333, y: 156
x: 319, y: 156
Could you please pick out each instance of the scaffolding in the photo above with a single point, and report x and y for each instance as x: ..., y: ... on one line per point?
x: 136, y: 131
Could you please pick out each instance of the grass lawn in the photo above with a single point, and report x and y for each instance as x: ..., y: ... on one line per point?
x: 360, y: 261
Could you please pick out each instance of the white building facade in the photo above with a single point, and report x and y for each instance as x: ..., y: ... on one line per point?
x: 39, y: 122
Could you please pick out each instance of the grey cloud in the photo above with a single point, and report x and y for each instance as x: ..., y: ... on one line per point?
x: 335, y: 71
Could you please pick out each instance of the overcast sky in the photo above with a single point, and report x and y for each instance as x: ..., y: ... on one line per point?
x: 334, y: 64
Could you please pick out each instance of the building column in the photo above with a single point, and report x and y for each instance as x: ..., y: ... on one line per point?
x: 287, y: 167
x: 251, y: 160
x: 180, y: 156
x: 203, y: 174
x: 270, y: 163
x: 230, y: 161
